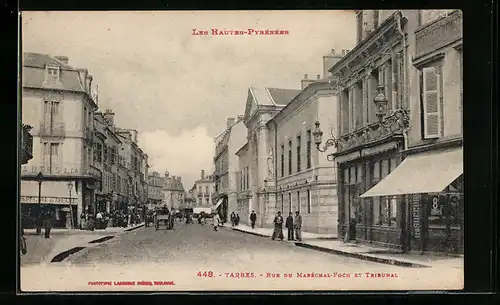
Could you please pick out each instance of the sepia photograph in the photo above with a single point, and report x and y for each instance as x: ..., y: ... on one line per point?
x: 178, y: 151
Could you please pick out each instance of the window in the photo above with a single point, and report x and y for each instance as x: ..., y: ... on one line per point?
x: 358, y: 105
x: 51, y: 156
x: 308, y: 156
x: 298, y: 154
x: 282, y: 162
x: 52, y: 74
x: 289, y: 202
x: 290, y: 157
x: 206, y: 190
x: 308, y: 201
x: 105, y: 154
x: 207, y: 200
x: 51, y: 116
x: 298, y: 201
x: 247, y: 178
x: 432, y: 100
x: 98, y: 152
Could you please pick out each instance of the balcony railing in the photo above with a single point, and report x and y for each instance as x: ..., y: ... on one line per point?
x: 26, y: 145
x: 438, y: 34
x: 52, y: 130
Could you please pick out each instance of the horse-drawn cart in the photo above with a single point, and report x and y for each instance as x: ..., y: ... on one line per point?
x: 165, y: 220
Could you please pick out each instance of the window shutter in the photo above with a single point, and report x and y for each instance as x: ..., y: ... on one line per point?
x: 431, y: 102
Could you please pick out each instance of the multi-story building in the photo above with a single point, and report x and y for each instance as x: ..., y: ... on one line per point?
x: 26, y: 144
x: 226, y: 164
x: 204, y: 190
x: 379, y: 116
x: 136, y: 161
x: 58, y: 103
x: 174, y: 192
x: 244, y: 203
x: 155, y: 190
x: 106, y: 148
x: 429, y: 181
x: 258, y: 170
x: 190, y: 199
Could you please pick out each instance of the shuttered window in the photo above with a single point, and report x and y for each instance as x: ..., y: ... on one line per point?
x: 432, y: 99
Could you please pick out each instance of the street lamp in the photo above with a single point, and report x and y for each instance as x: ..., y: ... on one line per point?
x: 70, y: 188
x: 318, y: 138
x: 399, y: 116
x: 39, y: 178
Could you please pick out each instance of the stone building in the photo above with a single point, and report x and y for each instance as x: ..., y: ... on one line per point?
x: 432, y: 171
x: 57, y: 101
x: 155, y: 190
x: 106, y: 147
x: 204, y: 191
x: 379, y: 114
x: 226, y: 164
x: 174, y: 192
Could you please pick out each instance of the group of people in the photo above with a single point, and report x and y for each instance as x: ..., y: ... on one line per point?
x: 293, y: 224
x: 235, y: 219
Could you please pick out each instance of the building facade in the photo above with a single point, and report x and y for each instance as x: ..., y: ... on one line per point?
x: 204, y: 191
x: 226, y: 164
x: 155, y: 190
x: 379, y: 118
x: 106, y: 150
x: 174, y: 192
x: 57, y: 101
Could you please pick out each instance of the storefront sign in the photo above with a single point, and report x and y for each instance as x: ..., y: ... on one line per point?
x: 416, y: 215
x: 34, y: 170
x: 47, y: 200
x: 436, y: 207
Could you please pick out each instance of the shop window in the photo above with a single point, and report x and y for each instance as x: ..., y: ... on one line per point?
x: 393, y: 202
x: 376, y: 210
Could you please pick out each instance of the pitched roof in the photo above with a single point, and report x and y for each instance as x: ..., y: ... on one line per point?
x: 282, y: 96
x: 34, y: 73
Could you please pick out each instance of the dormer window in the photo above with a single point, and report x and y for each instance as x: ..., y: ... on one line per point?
x: 52, y: 73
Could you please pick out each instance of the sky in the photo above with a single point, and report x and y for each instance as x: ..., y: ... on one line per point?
x: 175, y: 88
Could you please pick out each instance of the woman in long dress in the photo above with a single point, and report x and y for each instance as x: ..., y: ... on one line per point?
x: 278, y: 227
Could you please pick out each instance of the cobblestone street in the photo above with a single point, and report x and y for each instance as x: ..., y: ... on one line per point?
x: 197, y: 258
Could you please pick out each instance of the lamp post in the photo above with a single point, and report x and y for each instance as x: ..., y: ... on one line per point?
x: 39, y: 178
x: 399, y: 116
x: 70, y: 188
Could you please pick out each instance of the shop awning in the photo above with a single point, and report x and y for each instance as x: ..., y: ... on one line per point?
x: 423, y: 173
x: 52, y: 192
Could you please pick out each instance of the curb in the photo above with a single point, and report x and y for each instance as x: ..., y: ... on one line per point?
x: 134, y: 228
x: 251, y: 233
x: 365, y: 257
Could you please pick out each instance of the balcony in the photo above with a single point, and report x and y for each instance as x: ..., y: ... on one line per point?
x: 26, y: 144
x: 438, y: 34
x: 52, y: 130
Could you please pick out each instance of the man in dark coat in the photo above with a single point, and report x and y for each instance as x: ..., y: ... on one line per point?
x: 47, y: 222
x: 289, y: 226
x: 253, y: 218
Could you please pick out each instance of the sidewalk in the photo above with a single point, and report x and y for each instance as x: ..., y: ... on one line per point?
x: 329, y: 244
x: 43, y: 250
x: 268, y: 232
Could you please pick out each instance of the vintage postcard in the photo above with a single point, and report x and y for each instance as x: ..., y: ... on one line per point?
x: 241, y: 150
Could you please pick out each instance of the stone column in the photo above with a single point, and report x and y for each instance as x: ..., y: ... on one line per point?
x: 366, y: 105
x: 351, y: 108
x: 262, y: 168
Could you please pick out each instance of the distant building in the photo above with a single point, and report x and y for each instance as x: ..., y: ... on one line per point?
x: 174, y: 192
x: 204, y: 190
x: 155, y: 190
x: 226, y: 164
x: 57, y: 101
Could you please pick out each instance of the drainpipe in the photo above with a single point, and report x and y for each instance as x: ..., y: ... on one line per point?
x: 403, y: 40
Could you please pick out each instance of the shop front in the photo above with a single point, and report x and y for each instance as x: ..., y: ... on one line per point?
x: 221, y: 207
x: 430, y: 187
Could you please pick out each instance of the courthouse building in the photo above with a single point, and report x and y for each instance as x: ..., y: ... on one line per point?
x: 58, y: 104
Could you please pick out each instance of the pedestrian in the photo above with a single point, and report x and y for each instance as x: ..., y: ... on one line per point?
x: 237, y: 221
x: 253, y: 218
x: 289, y: 226
x: 47, y: 222
x: 278, y: 227
x: 298, y: 225
x: 233, y: 219
x: 217, y: 221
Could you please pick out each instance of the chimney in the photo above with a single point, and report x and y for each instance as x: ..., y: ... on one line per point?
x: 230, y: 122
x: 109, y: 117
x: 331, y: 60
x: 63, y: 59
x: 305, y: 82
x: 240, y: 118
x: 89, y: 83
x: 202, y: 174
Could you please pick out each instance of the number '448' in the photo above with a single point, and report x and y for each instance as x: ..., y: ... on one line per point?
x: 205, y: 274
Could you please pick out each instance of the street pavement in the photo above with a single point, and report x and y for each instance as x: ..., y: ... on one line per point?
x: 195, y: 257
